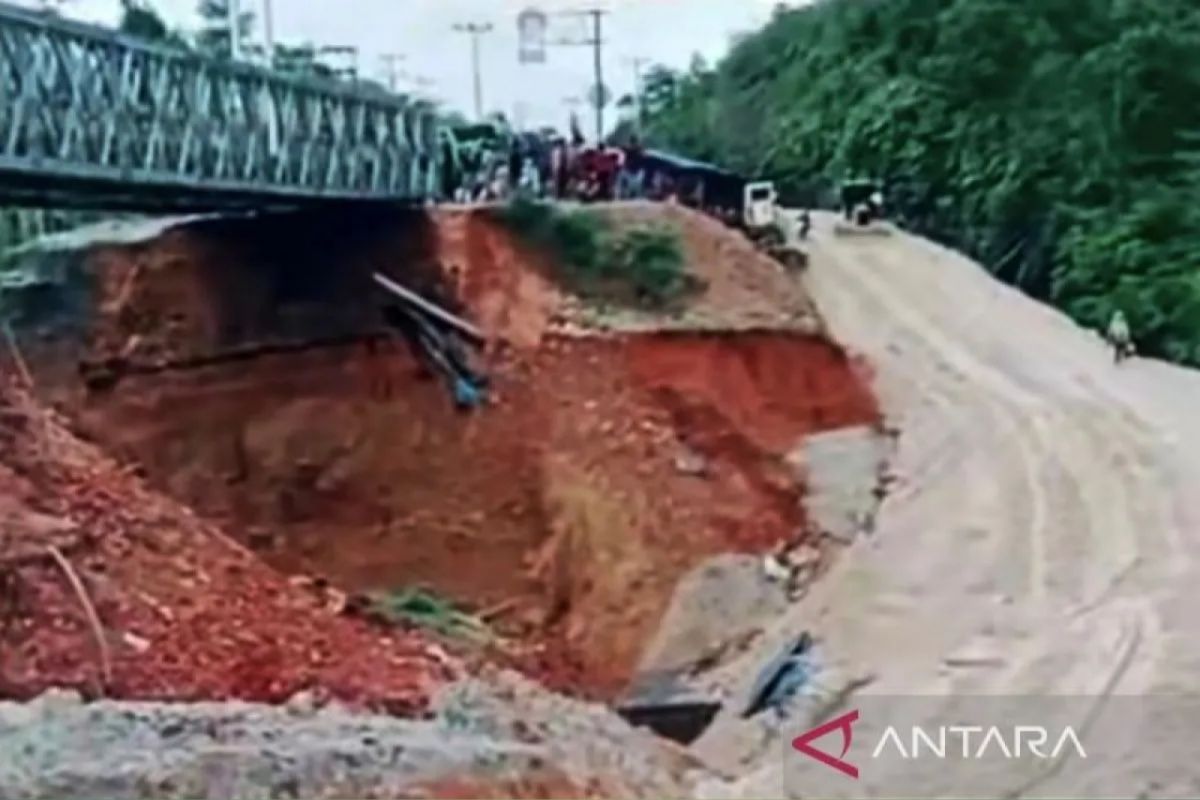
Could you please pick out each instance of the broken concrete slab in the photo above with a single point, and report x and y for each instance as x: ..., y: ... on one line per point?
x: 722, y: 602
x: 492, y: 734
x: 842, y: 470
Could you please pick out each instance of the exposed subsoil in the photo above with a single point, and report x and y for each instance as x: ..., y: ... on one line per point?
x: 245, y: 375
x: 185, y: 613
x: 566, y: 511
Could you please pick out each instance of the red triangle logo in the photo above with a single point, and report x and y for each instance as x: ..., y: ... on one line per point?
x: 803, y: 743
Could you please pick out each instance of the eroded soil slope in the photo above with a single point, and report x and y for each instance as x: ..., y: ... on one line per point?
x: 604, y: 470
x: 184, y: 612
x: 254, y: 382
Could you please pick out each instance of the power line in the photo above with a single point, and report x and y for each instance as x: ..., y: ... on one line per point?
x: 476, y: 30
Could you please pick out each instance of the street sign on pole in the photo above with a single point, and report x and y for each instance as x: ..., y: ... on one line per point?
x: 531, y: 31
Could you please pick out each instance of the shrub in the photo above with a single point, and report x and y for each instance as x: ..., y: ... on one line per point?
x: 651, y: 260
x: 642, y: 265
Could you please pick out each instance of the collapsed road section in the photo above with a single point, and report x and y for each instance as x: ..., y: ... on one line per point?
x: 574, y: 506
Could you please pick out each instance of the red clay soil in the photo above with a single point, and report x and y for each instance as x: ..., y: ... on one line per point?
x: 563, y: 503
x: 186, y: 613
x: 566, y: 511
x: 771, y: 387
x: 504, y: 284
x: 207, y: 288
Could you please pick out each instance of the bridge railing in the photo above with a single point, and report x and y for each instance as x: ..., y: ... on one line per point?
x: 89, y: 109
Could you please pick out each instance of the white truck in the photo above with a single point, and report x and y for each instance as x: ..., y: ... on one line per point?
x: 760, y: 205
x: 760, y: 214
x: 764, y: 221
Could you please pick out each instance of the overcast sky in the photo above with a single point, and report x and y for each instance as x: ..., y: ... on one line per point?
x: 665, y: 31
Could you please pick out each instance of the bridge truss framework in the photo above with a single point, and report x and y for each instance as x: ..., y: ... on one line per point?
x: 89, y: 117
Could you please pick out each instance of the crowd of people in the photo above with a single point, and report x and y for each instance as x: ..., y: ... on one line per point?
x: 547, y: 166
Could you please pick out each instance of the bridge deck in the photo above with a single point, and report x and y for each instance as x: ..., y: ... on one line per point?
x: 89, y: 117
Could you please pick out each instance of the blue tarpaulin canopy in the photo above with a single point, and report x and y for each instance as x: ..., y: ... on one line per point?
x: 721, y: 187
x: 682, y: 164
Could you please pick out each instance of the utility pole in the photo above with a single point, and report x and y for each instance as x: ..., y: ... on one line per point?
x: 269, y: 30
x: 475, y: 30
x: 598, y: 51
x: 233, y: 7
x: 390, y: 71
x: 637, y: 62
x: 596, y: 42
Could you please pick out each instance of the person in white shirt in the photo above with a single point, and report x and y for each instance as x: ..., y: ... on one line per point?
x: 1119, y: 337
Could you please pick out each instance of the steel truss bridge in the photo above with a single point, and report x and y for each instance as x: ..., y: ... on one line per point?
x: 91, y: 118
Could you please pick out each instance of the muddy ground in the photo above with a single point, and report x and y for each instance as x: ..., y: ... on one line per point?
x: 233, y: 381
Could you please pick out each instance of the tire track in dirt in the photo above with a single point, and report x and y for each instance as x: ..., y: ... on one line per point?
x: 1107, y: 499
x: 1037, y: 542
x: 1005, y: 395
x: 1090, y: 365
x: 1041, y: 414
x: 1100, y: 422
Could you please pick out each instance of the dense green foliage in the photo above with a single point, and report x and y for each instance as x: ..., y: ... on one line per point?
x: 1053, y: 140
x: 641, y: 264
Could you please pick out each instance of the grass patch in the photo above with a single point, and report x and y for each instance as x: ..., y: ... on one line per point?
x: 421, y: 608
x: 641, y: 266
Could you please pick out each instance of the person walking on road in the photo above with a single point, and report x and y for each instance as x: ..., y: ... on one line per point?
x: 804, y: 225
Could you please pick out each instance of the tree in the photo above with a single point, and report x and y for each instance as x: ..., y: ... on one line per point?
x: 140, y: 20
x: 658, y: 88
x: 1050, y: 140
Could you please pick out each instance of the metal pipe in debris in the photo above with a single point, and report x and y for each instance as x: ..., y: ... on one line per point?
x: 435, y: 311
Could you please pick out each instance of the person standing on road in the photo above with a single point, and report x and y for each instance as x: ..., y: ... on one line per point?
x: 1119, y: 337
x: 516, y: 162
x: 632, y: 176
x: 804, y: 225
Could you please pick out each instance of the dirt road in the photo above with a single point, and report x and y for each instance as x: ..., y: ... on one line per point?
x: 1040, y: 539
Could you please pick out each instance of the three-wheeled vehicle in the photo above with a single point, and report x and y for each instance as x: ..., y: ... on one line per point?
x: 862, y: 207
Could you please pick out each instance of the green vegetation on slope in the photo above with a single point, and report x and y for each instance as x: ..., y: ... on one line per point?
x: 643, y: 264
x: 1057, y: 141
x: 423, y: 608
